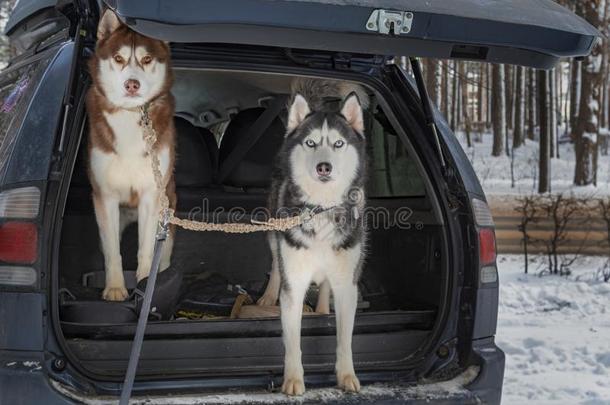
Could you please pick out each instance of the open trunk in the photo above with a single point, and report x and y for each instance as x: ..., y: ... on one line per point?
x: 402, y: 288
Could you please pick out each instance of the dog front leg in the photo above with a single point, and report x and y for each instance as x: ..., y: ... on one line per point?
x: 323, y: 304
x: 291, y: 310
x: 272, y: 291
x: 148, y: 219
x: 345, y: 293
x: 107, y: 214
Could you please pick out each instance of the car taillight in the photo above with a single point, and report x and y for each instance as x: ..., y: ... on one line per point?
x: 482, y: 213
x: 18, y: 242
x: 17, y: 275
x: 488, y: 272
x: 19, y: 235
x: 487, y: 246
x: 20, y: 203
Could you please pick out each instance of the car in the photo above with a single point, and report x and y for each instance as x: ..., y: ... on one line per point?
x: 428, y: 304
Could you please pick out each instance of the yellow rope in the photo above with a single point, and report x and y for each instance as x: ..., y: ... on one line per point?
x: 166, y: 214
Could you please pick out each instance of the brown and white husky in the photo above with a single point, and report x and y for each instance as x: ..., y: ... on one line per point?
x: 128, y: 71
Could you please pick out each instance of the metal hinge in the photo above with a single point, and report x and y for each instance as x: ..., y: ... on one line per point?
x: 390, y: 22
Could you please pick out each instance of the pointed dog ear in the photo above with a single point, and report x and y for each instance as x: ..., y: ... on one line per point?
x: 352, y: 111
x: 297, y: 113
x: 108, y: 24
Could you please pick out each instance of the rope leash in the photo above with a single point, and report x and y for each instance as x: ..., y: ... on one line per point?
x: 167, y: 214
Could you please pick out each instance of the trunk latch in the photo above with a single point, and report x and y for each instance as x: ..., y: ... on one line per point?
x: 390, y: 22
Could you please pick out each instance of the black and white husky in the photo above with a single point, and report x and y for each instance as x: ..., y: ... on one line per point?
x: 321, y: 167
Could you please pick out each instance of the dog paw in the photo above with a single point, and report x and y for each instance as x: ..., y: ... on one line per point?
x: 115, y: 294
x: 267, y: 301
x: 293, y: 386
x: 142, y: 272
x: 348, y: 382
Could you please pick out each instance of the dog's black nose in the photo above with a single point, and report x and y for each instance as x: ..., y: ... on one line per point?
x: 324, y: 169
x: 132, y: 86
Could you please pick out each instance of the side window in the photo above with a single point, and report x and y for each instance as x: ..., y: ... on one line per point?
x: 393, y: 173
x: 17, y: 87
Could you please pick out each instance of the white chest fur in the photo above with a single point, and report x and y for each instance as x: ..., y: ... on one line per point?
x: 127, y: 169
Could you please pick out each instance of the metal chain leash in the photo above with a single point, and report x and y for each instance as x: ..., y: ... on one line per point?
x: 167, y: 214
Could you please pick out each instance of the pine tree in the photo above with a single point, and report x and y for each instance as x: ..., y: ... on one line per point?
x: 454, y: 97
x: 498, y: 110
x: 544, y: 168
x: 586, y: 126
x: 518, y: 133
x: 433, y: 80
x: 575, y: 69
x: 5, y: 9
x: 552, y: 105
x: 445, y: 90
x: 464, y: 92
x: 531, y: 104
x: 510, y: 95
x: 480, y: 94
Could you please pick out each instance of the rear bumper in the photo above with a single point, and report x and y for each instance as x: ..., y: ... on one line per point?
x: 24, y: 380
x: 447, y: 392
x: 487, y: 387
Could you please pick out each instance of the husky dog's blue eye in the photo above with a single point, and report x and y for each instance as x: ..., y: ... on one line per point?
x: 310, y: 143
x: 339, y: 144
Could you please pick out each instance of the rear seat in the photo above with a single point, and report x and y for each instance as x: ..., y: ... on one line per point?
x: 197, y: 160
x: 247, y: 184
x: 253, y: 173
x: 239, y: 257
x: 195, y: 167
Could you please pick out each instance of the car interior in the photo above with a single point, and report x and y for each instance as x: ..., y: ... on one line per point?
x: 216, y: 277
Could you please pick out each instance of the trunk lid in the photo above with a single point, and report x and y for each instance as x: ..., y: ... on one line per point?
x: 532, y: 33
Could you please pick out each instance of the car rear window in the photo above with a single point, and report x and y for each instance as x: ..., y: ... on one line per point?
x: 17, y: 87
x: 393, y: 173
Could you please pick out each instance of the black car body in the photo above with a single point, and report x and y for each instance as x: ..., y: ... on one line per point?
x: 452, y: 359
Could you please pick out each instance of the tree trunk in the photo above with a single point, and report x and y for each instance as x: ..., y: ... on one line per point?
x: 480, y: 103
x: 553, y: 112
x: 433, y: 80
x: 458, y: 96
x: 454, y: 97
x: 575, y: 82
x: 498, y: 108
x: 531, y: 103
x: 586, y: 130
x: 544, y: 168
x: 465, y: 112
x: 604, y: 118
x: 518, y: 133
x: 445, y: 90
x: 6, y: 51
x: 566, y: 98
x: 488, y: 97
x: 510, y: 95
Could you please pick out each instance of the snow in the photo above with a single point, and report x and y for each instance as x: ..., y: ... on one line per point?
x: 555, y: 332
x: 495, y: 172
x: 591, y: 136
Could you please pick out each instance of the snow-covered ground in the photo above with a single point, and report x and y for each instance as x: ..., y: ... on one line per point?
x: 555, y: 332
x: 495, y: 172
